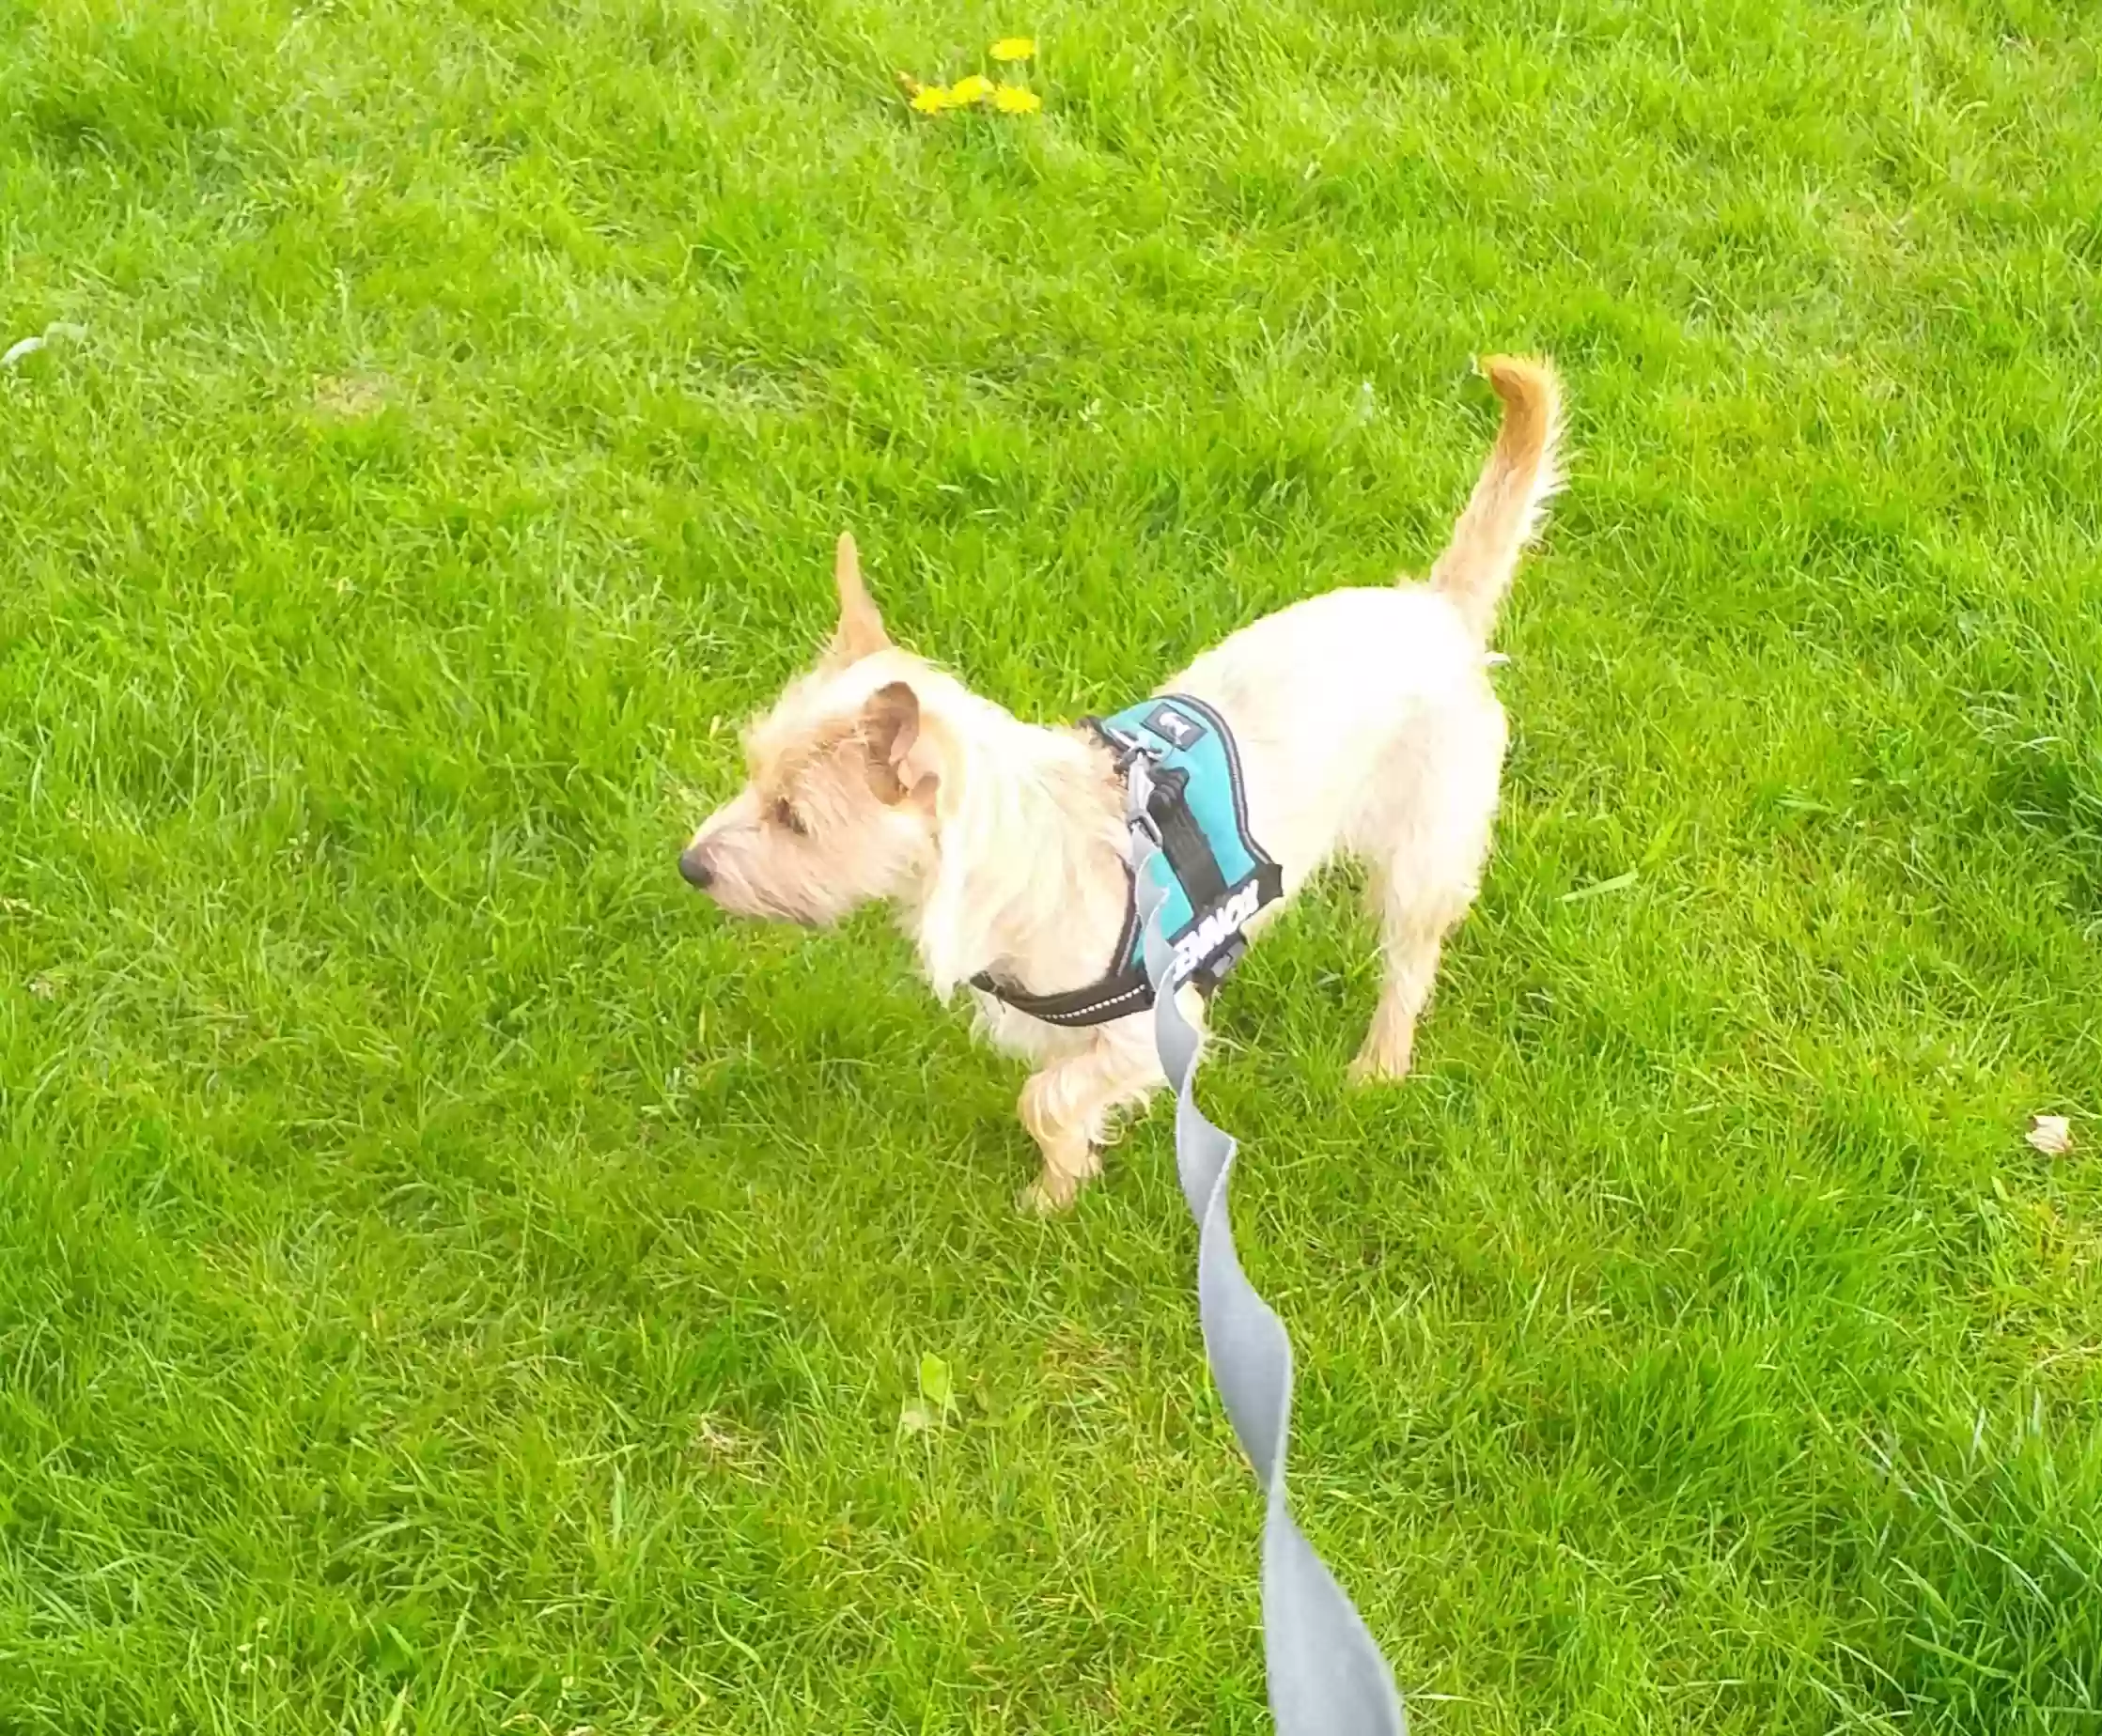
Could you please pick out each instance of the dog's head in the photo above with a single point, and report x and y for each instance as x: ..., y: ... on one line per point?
x: 843, y: 781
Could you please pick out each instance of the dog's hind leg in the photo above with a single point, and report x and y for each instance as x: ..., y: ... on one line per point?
x: 1414, y: 933
x: 1068, y: 1106
x: 1425, y: 835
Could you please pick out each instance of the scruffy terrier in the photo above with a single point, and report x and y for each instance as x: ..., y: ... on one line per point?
x: 1365, y: 724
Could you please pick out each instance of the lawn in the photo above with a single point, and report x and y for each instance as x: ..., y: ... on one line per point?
x: 453, y: 1281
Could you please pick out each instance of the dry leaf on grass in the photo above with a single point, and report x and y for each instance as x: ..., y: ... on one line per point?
x: 29, y: 346
x: 2052, y: 1135
x: 726, y: 1443
x: 350, y: 394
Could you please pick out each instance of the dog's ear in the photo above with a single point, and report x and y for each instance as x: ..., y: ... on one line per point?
x: 860, y: 631
x: 902, y: 751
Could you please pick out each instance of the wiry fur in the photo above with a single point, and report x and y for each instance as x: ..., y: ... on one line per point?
x: 1366, y: 723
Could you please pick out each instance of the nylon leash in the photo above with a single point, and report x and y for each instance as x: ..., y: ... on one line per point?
x: 1326, y: 1673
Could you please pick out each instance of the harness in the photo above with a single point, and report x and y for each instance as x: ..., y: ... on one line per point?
x: 1211, y: 874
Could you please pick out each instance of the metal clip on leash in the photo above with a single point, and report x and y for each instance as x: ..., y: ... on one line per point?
x: 1326, y: 1674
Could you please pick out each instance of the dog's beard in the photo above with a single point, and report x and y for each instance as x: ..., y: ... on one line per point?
x: 759, y: 903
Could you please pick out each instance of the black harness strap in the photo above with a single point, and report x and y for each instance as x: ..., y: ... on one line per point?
x: 1124, y: 988
x: 1182, y: 840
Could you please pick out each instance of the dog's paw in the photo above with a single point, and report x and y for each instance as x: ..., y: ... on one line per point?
x: 1048, y: 1195
x: 1376, y: 1066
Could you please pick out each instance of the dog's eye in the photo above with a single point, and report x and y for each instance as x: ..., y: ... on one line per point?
x: 785, y: 815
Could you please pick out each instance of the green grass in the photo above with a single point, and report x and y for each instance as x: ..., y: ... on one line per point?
x: 451, y: 1281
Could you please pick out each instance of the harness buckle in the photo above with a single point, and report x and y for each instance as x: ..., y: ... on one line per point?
x: 1124, y: 748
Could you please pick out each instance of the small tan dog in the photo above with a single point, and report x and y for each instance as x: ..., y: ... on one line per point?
x: 1365, y: 724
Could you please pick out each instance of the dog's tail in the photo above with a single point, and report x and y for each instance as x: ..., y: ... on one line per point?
x: 1508, y: 503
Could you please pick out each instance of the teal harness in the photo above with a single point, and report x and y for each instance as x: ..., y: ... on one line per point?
x: 1212, y: 875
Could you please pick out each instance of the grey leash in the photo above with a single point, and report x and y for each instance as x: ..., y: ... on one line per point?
x: 1326, y: 1677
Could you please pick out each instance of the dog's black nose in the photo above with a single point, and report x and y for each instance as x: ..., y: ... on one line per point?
x: 694, y: 863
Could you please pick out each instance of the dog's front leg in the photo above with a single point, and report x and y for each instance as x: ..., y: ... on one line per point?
x: 1067, y: 1106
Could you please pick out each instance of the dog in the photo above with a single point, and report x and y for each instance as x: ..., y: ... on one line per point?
x: 1366, y: 723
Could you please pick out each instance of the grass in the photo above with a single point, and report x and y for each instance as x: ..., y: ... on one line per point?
x: 450, y: 1281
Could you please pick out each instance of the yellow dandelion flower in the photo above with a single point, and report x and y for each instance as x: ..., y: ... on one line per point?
x: 930, y: 99
x: 1014, y: 99
x: 1010, y: 49
x: 966, y: 91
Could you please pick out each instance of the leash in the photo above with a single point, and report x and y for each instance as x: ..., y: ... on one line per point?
x: 1327, y: 1676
